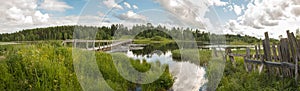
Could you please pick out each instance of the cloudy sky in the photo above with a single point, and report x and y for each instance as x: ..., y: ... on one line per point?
x: 251, y: 17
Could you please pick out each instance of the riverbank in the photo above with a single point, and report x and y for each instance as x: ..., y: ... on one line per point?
x: 47, y: 67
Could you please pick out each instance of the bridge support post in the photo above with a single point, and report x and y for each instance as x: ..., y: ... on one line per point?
x: 87, y: 45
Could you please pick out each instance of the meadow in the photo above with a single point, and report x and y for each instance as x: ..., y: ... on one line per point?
x: 50, y: 67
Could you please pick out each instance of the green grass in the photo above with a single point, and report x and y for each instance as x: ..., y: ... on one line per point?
x: 47, y: 67
x: 156, y: 39
x: 238, y: 79
x: 203, y: 57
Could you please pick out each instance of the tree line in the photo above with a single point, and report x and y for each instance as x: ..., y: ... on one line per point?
x: 109, y: 32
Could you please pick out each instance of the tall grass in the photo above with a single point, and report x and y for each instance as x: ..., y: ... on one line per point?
x: 46, y: 67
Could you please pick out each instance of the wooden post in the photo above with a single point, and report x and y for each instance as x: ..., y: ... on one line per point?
x: 99, y: 45
x: 256, y: 57
x: 75, y: 43
x: 231, y: 57
x: 293, y: 46
x: 267, y: 48
x: 87, y: 44
x: 267, y: 51
x: 285, y: 55
x: 280, y: 58
x: 247, y: 57
x: 94, y: 45
x: 275, y: 58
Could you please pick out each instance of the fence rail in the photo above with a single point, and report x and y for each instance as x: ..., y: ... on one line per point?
x: 279, y: 59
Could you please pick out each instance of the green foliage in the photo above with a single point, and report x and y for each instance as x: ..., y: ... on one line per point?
x: 191, y: 55
x: 237, y: 79
x: 157, y: 38
x: 119, y: 31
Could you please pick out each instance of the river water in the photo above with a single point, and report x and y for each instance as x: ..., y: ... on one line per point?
x: 188, y: 76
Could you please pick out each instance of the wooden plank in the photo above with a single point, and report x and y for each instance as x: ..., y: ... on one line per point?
x: 294, y: 52
x: 267, y: 50
x: 285, y: 54
x: 231, y: 58
x: 256, y: 53
x: 274, y: 64
x: 256, y: 57
x: 237, y: 55
x: 280, y: 59
x: 275, y: 57
x: 259, y: 50
x: 247, y: 57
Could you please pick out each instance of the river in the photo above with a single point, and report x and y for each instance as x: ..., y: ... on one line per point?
x: 188, y: 76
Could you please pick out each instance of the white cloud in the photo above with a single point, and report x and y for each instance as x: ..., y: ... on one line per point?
x: 135, y: 7
x: 127, y: 5
x: 237, y: 9
x: 191, y: 12
x: 230, y: 7
x: 266, y: 13
x: 273, y: 16
x: 25, y: 14
x: 21, y: 12
x: 217, y: 2
x: 133, y: 17
x: 112, y: 4
x: 55, y: 5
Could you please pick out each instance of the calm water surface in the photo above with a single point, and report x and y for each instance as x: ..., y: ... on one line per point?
x: 188, y: 76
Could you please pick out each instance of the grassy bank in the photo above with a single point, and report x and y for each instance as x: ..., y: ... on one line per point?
x: 238, y: 79
x: 202, y: 58
x: 155, y: 39
x: 46, y: 67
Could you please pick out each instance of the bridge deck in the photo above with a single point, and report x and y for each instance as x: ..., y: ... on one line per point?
x: 114, y: 43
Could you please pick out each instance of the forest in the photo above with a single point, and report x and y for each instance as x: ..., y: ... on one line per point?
x: 107, y: 33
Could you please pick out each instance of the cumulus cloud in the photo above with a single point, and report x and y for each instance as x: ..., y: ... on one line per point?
x: 135, y: 7
x: 21, y: 12
x: 55, y: 5
x: 261, y: 14
x: 131, y: 16
x: 112, y: 4
x: 25, y: 14
x: 237, y: 9
x: 127, y: 5
x: 273, y: 16
x: 191, y: 12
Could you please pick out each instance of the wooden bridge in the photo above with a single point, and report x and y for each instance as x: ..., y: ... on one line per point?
x: 278, y: 59
x: 103, y: 45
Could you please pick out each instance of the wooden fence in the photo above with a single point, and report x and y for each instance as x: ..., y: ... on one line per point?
x: 277, y: 59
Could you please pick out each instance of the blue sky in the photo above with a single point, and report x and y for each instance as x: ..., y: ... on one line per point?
x: 78, y: 6
x: 251, y: 17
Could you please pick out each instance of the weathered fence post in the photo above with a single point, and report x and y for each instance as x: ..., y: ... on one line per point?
x: 247, y: 56
x: 267, y: 51
x: 231, y: 57
x: 275, y: 58
x: 293, y: 46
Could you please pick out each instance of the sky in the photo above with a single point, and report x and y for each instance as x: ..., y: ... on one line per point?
x: 245, y: 17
